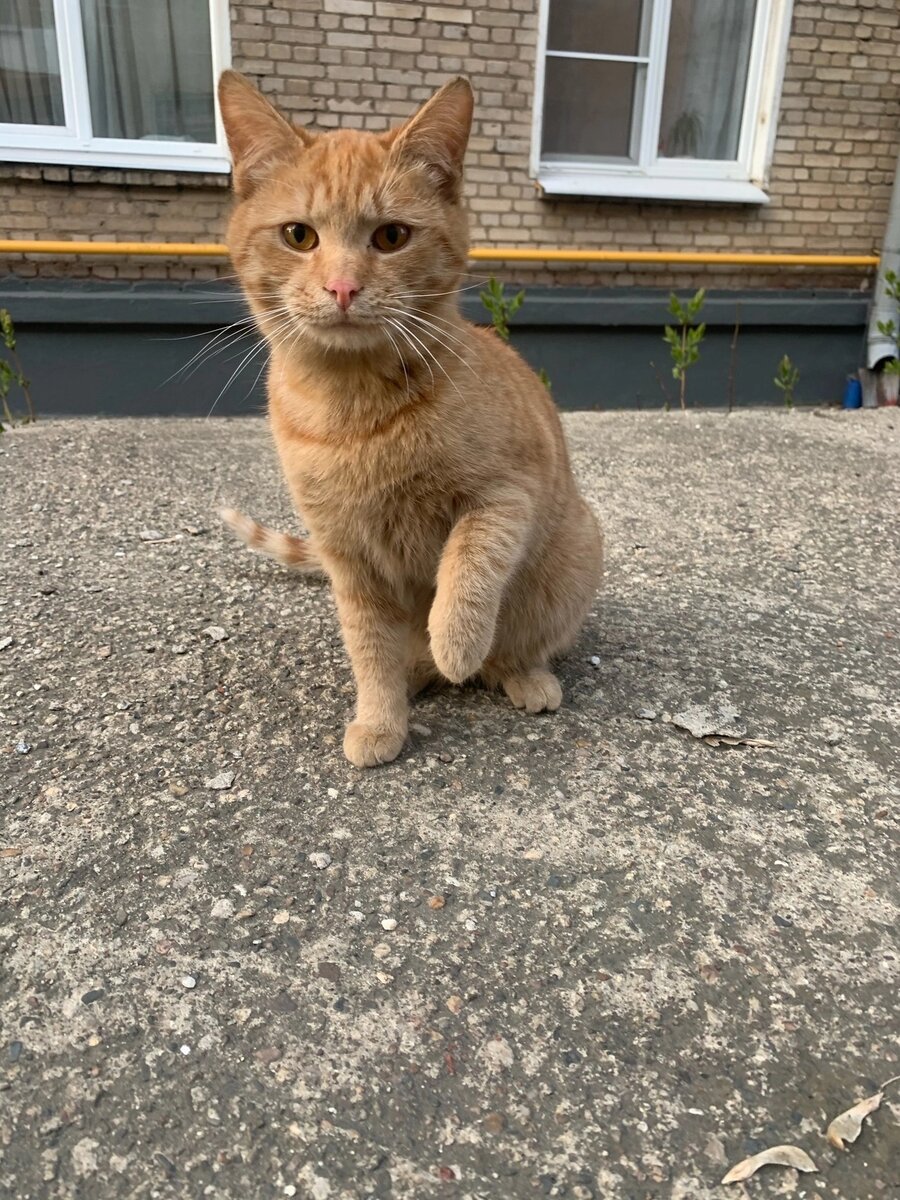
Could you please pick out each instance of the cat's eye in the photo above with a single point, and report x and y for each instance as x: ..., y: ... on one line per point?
x: 300, y: 237
x: 388, y: 238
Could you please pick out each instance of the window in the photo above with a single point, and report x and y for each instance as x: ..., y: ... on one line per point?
x: 658, y: 99
x: 114, y: 83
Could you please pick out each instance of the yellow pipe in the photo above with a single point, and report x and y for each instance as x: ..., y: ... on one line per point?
x: 478, y: 254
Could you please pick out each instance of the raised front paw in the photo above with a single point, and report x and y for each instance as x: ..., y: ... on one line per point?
x: 459, y: 648
x: 369, y: 746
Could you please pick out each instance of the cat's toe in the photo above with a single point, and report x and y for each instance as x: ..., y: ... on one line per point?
x: 368, y: 746
x: 535, y: 691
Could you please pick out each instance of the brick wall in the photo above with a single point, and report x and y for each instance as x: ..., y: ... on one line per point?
x: 367, y: 63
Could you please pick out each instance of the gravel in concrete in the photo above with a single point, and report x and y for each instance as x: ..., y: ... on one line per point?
x: 580, y: 955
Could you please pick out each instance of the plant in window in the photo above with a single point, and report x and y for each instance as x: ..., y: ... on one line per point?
x: 686, y: 135
x: 500, y: 307
x: 684, y: 341
x: 786, y: 380
x: 11, y: 373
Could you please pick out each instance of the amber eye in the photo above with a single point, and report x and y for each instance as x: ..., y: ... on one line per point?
x: 388, y: 238
x: 300, y: 237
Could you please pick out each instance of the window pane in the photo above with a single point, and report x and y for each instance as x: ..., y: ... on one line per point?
x: 149, y: 65
x: 30, y: 91
x: 589, y: 108
x: 595, y: 26
x: 706, y: 78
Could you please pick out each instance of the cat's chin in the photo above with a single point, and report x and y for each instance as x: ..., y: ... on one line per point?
x: 348, y: 336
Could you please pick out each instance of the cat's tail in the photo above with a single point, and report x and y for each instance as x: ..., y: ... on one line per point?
x: 295, y: 552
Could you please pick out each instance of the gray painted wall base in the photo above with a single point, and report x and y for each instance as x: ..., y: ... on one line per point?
x: 117, y: 349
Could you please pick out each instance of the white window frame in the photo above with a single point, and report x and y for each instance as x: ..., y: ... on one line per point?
x: 73, y: 144
x: 742, y: 181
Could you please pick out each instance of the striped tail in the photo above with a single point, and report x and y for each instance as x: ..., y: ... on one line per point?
x: 293, y: 551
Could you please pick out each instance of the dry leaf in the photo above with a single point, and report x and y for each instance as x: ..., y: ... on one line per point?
x: 848, y: 1126
x: 719, y: 740
x: 778, y: 1156
x: 11, y: 852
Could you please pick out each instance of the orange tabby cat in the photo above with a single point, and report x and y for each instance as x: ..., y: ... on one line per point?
x: 426, y: 459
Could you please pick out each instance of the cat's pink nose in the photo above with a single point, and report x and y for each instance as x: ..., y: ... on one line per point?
x: 344, y: 291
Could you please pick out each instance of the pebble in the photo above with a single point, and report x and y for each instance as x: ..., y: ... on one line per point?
x: 150, y: 535
x: 290, y: 1190
x: 436, y: 902
x: 389, y: 924
x: 221, y: 782
x: 282, y: 917
x: 15, y: 1050
x: 216, y: 632
x: 382, y: 950
x: 120, y: 916
x: 594, y: 660
x: 356, y: 916
x: 222, y: 909
x: 646, y: 714
x: 455, y: 1003
x: 188, y: 981
x: 320, y: 859
x: 184, y: 1049
x: 180, y: 648
x: 23, y: 748
x: 4, y: 642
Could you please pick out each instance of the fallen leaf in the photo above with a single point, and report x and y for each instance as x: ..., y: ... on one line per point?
x: 719, y: 740
x: 777, y: 1156
x: 848, y: 1126
x: 11, y: 852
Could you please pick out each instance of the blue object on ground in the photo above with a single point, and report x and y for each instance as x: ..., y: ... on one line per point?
x: 852, y: 393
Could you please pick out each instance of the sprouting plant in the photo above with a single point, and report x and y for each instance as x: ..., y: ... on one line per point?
x: 684, y: 342
x: 500, y: 307
x: 11, y: 372
x: 786, y: 380
x: 888, y: 329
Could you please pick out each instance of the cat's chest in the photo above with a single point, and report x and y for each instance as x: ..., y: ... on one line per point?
x: 391, y: 504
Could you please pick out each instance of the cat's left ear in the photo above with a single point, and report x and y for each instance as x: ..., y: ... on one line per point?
x: 437, y: 135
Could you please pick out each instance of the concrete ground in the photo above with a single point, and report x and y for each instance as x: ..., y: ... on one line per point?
x: 580, y: 955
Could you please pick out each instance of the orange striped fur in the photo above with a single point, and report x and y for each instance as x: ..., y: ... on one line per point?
x: 426, y: 459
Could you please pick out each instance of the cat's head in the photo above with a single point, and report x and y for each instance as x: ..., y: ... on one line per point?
x: 337, y: 235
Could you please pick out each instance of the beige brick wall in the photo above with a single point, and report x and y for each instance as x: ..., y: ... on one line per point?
x: 367, y: 63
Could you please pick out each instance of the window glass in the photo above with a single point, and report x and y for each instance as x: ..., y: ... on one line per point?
x: 30, y: 89
x: 149, y: 65
x: 706, y: 78
x: 589, y: 108
x: 595, y: 26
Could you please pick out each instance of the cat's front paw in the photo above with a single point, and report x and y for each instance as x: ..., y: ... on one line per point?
x: 459, y: 653
x: 369, y: 746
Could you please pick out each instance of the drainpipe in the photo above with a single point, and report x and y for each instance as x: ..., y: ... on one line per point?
x: 880, y: 347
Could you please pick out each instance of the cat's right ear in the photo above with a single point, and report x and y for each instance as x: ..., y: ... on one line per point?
x: 258, y: 135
